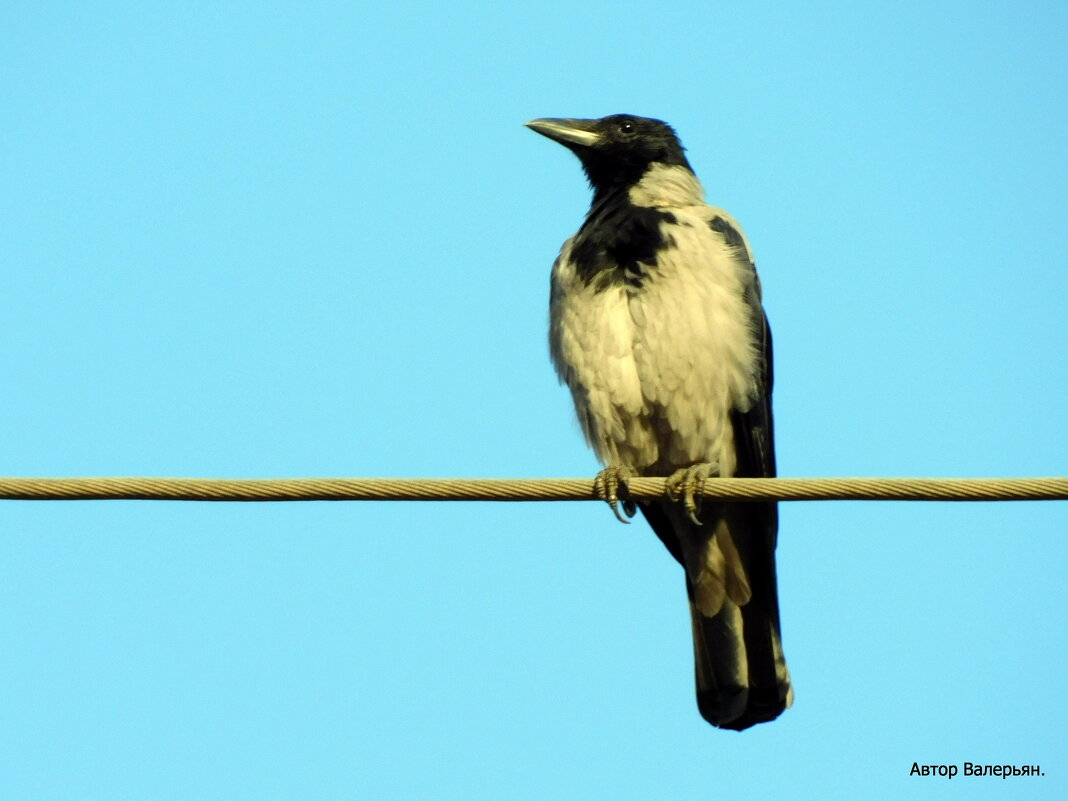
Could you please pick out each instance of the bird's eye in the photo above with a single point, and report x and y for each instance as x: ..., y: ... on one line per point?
x: 626, y: 127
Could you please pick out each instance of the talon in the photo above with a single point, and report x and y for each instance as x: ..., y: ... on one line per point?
x: 691, y: 506
x: 607, y: 485
x: 685, y: 484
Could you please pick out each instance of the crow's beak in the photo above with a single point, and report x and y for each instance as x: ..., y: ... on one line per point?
x: 567, y: 132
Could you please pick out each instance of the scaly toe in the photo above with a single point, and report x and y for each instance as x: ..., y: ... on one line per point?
x: 607, y: 485
x: 685, y: 485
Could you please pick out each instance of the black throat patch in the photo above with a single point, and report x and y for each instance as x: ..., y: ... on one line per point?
x: 619, y: 242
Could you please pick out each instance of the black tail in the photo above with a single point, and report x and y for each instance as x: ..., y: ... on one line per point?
x: 739, y: 666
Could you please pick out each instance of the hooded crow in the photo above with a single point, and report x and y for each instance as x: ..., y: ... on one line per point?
x: 656, y: 326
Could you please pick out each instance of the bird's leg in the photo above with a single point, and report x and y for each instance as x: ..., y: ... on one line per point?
x: 608, y: 484
x: 684, y: 484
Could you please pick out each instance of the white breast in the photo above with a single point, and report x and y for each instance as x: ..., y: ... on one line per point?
x: 656, y: 371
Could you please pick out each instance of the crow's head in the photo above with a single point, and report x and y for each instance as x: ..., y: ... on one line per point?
x: 615, y: 151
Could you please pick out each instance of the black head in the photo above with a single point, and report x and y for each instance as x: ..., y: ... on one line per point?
x: 615, y: 151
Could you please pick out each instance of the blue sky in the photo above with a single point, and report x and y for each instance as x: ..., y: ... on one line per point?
x: 271, y: 239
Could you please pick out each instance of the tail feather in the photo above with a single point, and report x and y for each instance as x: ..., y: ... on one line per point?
x: 740, y: 672
x: 739, y: 667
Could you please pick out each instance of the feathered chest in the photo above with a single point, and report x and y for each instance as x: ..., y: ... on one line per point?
x: 650, y: 320
x: 621, y: 243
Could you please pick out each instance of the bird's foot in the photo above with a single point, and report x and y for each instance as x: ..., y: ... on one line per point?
x: 608, y: 484
x: 685, y: 485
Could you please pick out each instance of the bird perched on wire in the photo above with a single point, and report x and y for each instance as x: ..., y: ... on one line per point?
x: 657, y: 328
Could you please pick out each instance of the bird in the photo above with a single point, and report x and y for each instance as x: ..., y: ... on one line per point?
x: 657, y: 328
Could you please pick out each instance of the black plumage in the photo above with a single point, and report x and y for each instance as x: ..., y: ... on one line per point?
x: 659, y: 331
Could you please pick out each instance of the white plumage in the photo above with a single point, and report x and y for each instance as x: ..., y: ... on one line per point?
x: 657, y: 328
x: 655, y: 371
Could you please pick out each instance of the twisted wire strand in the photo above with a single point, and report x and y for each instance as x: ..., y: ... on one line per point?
x: 530, y: 489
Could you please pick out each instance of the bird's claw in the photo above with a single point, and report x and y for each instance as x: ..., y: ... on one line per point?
x: 608, y: 484
x: 685, y: 485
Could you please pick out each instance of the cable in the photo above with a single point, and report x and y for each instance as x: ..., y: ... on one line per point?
x: 531, y: 489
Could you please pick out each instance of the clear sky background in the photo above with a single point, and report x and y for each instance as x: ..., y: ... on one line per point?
x: 291, y: 239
